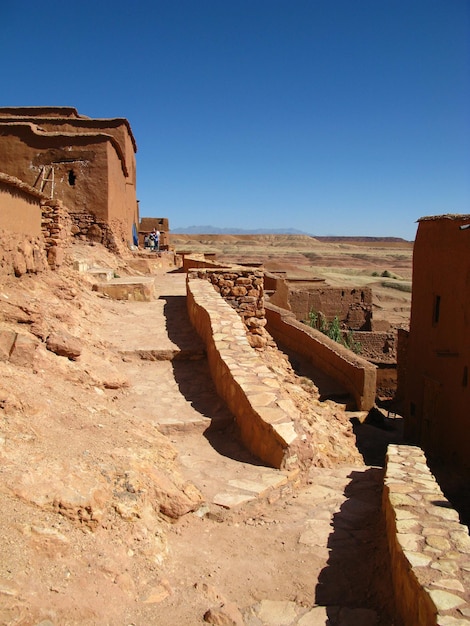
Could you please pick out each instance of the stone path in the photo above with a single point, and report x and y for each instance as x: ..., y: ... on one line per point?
x: 326, y: 554
x: 171, y: 388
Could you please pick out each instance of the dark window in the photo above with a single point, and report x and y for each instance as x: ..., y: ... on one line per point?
x: 72, y: 178
x: 437, y: 309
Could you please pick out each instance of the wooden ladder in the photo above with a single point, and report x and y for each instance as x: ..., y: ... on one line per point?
x: 47, y: 176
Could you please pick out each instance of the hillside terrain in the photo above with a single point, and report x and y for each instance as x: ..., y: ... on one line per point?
x: 107, y: 509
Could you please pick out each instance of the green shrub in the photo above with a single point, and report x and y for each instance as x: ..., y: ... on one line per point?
x: 333, y: 330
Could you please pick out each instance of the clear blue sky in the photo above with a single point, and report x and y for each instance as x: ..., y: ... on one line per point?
x: 346, y: 117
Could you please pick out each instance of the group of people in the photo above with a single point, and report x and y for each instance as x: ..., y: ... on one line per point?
x: 152, y: 240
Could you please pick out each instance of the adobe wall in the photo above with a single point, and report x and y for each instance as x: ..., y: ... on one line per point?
x: 20, y: 207
x: 353, y: 372
x: 429, y: 548
x: 264, y: 417
x: 93, y: 161
x: 21, y: 254
x: 438, y: 363
x: 352, y: 306
x: 36, y: 229
x: 376, y: 346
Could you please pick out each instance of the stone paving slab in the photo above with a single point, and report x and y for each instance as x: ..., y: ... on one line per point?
x: 178, y: 396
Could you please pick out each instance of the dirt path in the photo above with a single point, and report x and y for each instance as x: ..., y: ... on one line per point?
x: 85, y: 468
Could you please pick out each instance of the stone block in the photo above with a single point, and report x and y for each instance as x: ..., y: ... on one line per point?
x: 140, y: 289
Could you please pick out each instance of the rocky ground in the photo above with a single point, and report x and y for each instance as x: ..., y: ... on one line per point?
x: 109, y: 493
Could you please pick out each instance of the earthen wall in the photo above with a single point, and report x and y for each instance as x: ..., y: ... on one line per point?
x: 93, y: 162
x: 438, y: 363
x: 20, y: 207
x: 354, y: 373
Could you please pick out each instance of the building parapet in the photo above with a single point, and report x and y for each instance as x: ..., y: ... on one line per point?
x: 429, y: 548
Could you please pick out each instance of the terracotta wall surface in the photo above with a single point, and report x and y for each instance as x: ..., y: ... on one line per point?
x: 353, y: 372
x: 428, y: 546
x: 263, y: 415
x: 20, y: 207
x: 438, y: 362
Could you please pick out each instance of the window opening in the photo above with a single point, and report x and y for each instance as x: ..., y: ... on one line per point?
x: 437, y: 309
x: 72, y: 178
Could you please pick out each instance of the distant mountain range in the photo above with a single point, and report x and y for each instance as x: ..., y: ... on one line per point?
x: 212, y: 230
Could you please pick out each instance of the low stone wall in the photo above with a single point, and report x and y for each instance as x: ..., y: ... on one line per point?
x: 264, y: 417
x: 356, y: 374
x: 429, y: 548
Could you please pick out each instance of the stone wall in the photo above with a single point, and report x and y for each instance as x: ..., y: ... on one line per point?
x: 85, y: 226
x: 56, y: 226
x: 242, y: 288
x: 356, y: 374
x: 429, y: 548
x: 377, y: 346
x: 264, y: 417
x: 352, y: 306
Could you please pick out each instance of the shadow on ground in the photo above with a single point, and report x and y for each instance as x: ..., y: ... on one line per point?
x: 358, y: 555
x: 192, y: 375
x: 375, y: 434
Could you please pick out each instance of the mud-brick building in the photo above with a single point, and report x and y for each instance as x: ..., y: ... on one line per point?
x: 88, y: 164
x: 437, y: 378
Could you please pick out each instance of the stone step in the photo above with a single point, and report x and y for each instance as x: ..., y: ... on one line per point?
x: 104, y: 274
x: 134, y: 288
x: 154, y: 354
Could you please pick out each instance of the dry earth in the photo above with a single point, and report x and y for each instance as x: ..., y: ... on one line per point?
x: 340, y: 263
x: 106, y: 520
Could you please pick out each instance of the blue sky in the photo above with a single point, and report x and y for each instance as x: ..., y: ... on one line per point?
x: 343, y: 117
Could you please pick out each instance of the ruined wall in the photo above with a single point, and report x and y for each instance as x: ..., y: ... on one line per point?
x: 438, y: 363
x: 352, y: 306
x: 376, y: 346
x: 357, y: 375
x: 193, y: 261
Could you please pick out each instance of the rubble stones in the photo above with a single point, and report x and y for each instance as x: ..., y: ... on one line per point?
x: 64, y: 344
